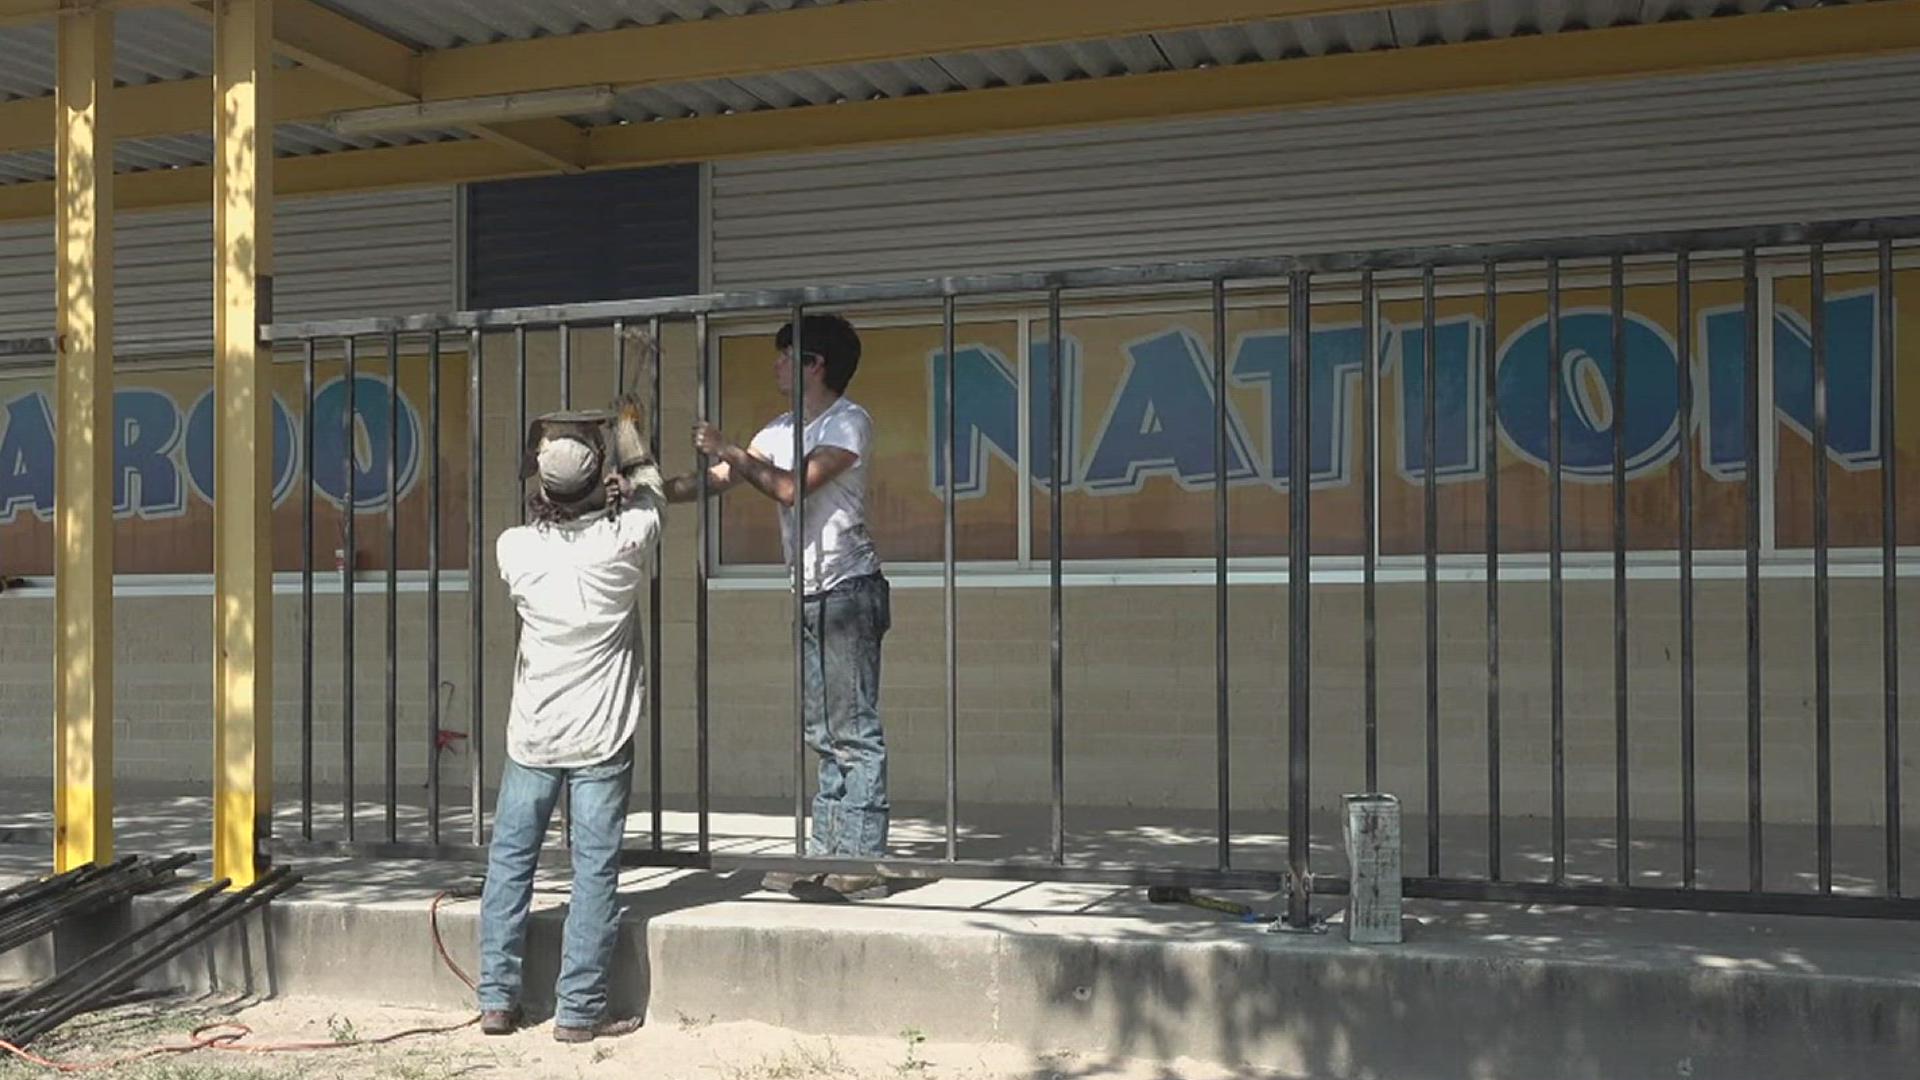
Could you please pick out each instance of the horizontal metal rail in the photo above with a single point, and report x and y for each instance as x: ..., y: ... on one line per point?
x: 1572, y: 894
x: 1119, y: 277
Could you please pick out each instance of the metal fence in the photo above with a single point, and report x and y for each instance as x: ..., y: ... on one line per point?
x: 1671, y: 254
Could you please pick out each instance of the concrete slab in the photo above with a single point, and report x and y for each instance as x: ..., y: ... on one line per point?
x: 1481, y: 992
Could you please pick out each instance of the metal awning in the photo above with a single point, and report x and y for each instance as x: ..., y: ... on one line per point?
x: 340, y: 55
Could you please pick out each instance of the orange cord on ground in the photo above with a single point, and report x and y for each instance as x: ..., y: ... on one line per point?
x: 227, y: 1034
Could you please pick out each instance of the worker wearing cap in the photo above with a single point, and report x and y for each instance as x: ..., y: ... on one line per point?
x: 575, y: 573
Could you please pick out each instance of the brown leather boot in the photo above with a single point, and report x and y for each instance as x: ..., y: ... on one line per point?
x: 605, y: 1029
x: 499, y: 1021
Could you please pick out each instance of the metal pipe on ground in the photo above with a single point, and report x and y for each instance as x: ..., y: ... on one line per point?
x: 44, y: 990
x: 29, y: 892
x: 85, y: 997
x: 127, y: 878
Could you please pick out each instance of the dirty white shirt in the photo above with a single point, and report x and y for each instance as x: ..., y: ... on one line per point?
x: 838, y: 546
x: 579, y: 685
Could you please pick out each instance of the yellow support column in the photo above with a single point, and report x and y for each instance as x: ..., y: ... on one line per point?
x: 83, y: 512
x: 243, y: 439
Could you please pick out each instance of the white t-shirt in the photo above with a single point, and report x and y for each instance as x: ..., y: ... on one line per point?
x: 579, y: 682
x: 838, y: 545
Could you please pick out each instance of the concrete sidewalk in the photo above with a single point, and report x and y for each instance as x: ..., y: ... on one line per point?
x: 1476, y: 992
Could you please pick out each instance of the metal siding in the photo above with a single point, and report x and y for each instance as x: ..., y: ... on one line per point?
x: 1733, y: 148
x: 386, y: 253
x: 596, y: 236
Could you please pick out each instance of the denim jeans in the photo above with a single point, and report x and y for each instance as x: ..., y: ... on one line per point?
x: 841, y: 632
x: 521, y: 814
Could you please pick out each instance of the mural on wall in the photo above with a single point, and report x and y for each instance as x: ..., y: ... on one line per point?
x: 1139, y: 407
x: 1139, y: 403
x: 164, y: 491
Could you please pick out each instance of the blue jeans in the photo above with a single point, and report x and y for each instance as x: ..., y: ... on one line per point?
x: 841, y: 632
x: 521, y: 814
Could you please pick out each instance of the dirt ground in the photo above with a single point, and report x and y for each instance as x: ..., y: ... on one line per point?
x: 695, y: 1048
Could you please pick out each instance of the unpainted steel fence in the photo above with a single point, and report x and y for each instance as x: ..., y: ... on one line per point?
x: 1672, y: 255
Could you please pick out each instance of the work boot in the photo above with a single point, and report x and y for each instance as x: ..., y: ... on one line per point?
x: 605, y: 1029
x: 784, y: 883
x: 499, y: 1021
x: 851, y: 885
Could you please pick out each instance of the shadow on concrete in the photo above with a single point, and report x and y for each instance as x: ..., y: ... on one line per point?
x: 630, y: 980
x: 1576, y: 994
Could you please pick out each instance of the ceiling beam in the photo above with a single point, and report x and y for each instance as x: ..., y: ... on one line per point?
x: 333, y: 45
x: 322, y: 40
x: 351, y: 170
x: 367, y: 61
x: 345, y: 66
x: 180, y: 105
x: 1807, y: 36
x: 556, y: 144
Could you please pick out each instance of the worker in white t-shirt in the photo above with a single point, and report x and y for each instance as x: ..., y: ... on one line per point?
x: 579, y: 690
x: 846, y: 606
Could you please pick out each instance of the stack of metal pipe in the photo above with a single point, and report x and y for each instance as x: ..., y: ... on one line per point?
x: 32, y: 909
x: 111, y: 974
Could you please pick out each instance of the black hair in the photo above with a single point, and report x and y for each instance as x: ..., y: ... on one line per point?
x: 833, y: 341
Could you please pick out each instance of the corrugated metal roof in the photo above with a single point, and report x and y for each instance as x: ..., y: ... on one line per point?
x: 160, y: 44
x: 445, y: 24
x: 1463, y: 20
x: 150, y: 45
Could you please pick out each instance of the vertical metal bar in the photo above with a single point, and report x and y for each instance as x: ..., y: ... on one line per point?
x: 1889, y: 544
x: 1369, y: 513
x: 393, y: 588
x: 566, y: 366
x: 1556, y: 601
x: 1756, y: 860
x: 1622, y: 812
x: 1683, y: 371
x: 949, y: 585
x: 1056, y: 419
x: 1430, y: 545
x: 476, y: 589
x: 564, y: 805
x: 346, y: 589
x: 1221, y: 712
x: 433, y: 588
x: 1490, y: 434
x: 656, y: 692
x: 1822, y: 622
x: 703, y: 364
x: 620, y: 356
x: 1299, y: 597
x: 306, y: 595
x: 650, y: 671
x: 619, y: 335
x: 797, y: 384
x: 520, y: 427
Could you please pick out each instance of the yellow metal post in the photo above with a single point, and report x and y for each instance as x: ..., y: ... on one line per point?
x: 243, y: 439
x: 83, y: 510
